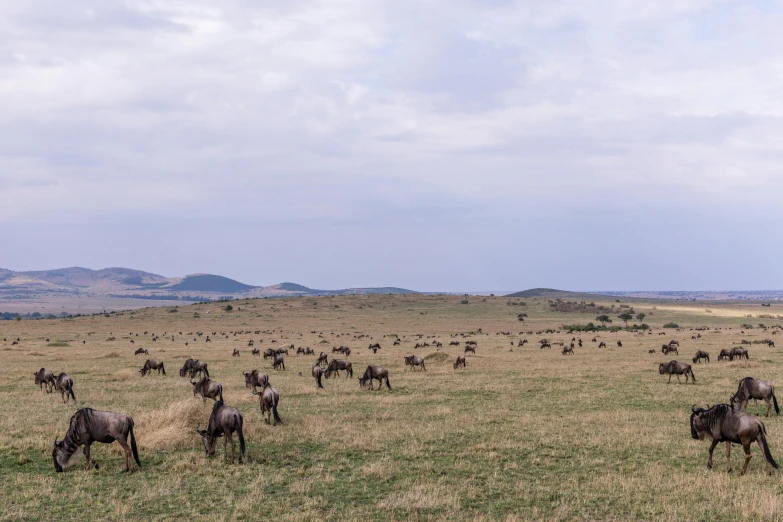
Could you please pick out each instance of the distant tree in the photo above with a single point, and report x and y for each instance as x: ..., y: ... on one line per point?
x: 641, y: 316
x: 604, y: 319
x: 625, y: 317
x: 228, y: 308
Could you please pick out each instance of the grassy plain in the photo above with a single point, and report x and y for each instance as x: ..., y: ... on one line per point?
x: 526, y: 434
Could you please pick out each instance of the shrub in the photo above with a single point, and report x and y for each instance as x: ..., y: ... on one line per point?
x: 671, y: 325
x: 465, y: 301
x: 228, y: 308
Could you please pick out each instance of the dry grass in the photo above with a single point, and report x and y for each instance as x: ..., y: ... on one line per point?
x: 522, y: 435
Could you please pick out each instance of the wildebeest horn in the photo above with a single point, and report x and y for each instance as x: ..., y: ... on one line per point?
x: 694, y: 409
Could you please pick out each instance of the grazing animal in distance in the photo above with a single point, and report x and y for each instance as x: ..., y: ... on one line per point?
x: 677, y: 368
x: 413, y: 361
x: 152, y: 364
x: 255, y: 379
x: 374, y: 347
x: 620, y: 344
x: 602, y: 344
x: 739, y: 353
x: 722, y: 423
x: 460, y: 362
x: 666, y: 349
x: 194, y: 367
x: 140, y: 351
x: 208, y: 388
x: 268, y: 401
x: 651, y: 350
x: 88, y: 426
x: 64, y: 385
x: 725, y: 354
x: 372, y: 373
x: 701, y: 354
x: 269, y: 352
x: 235, y: 353
x: 255, y: 352
x: 278, y: 363
x: 336, y: 365
x: 750, y: 388
x: 45, y: 378
x: 568, y: 350
x: 224, y: 421
x: 469, y: 348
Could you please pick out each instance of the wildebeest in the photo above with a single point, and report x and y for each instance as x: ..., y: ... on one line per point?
x: 725, y: 354
x: 701, y: 354
x: 374, y: 347
x: 269, y: 352
x: 750, y: 388
x: 268, y: 400
x: 317, y: 372
x: 722, y: 423
x: 193, y: 367
x: 677, y: 368
x: 235, y: 353
x: 739, y: 353
x: 336, y: 365
x: 88, y: 426
x: 470, y: 348
x: 44, y: 378
x: 281, y: 351
x: 140, y: 351
x: 568, y: 350
x: 255, y: 351
x: 674, y: 342
x: 255, y: 379
x: 64, y: 385
x: 323, y: 358
x: 413, y: 361
x: 666, y: 349
x: 208, y: 388
x: 620, y: 344
x: 651, y: 350
x: 374, y: 372
x: 278, y: 363
x: 602, y: 344
x: 460, y: 362
x: 225, y: 420
x: 152, y: 364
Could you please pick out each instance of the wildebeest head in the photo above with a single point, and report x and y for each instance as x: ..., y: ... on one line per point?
x: 64, y: 455
x: 662, y: 368
x: 699, y: 422
x: 210, y: 441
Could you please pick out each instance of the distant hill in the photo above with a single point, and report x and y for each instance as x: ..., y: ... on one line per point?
x: 210, y: 283
x: 551, y: 293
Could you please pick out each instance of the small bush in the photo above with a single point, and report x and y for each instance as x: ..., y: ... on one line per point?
x: 671, y: 325
x: 465, y: 301
x: 59, y: 344
x: 228, y: 308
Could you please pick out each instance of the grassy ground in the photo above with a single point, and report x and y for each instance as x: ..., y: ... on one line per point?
x: 518, y: 435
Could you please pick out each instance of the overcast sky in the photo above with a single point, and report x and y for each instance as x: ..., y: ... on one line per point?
x: 430, y: 144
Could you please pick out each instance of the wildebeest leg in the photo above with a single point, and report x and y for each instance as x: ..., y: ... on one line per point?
x: 128, y: 460
x: 231, y: 439
x: 87, y: 455
x: 769, y: 405
x: 670, y: 379
x: 712, y: 447
x: 748, y: 456
x: 225, y: 441
x: 728, y: 455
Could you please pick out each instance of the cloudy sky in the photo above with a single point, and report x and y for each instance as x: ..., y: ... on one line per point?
x: 429, y: 144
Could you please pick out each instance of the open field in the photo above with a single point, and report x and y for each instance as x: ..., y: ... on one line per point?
x: 517, y: 435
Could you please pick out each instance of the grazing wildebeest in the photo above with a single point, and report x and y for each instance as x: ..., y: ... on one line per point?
x: 250, y: 342
x: 193, y: 367
x: 620, y: 344
x: 140, y: 351
x: 651, y: 350
x: 338, y: 364
x: 677, y: 368
x: 317, y: 372
x: 460, y: 362
x: 44, y: 377
x: 522, y: 342
x: 701, y: 354
x: 396, y: 342
x: 255, y: 379
x: 279, y: 362
x: 725, y: 354
x: 666, y: 349
x: 88, y: 426
x: 269, y: 352
x: 152, y: 364
x: 255, y: 351
x: 64, y: 385
x: 739, y: 353
x: 375, y: 347
x: 322, y: 358
x: 268, y: 400
x: 413, y: 361
x: 374, y: 372
x: 602, y: 344
x: 722, y: 423
x: 568, y: 350
x: 469, y: 348
x: 750, y: 388
x: 281, y: 351
x: 208, y: 388
x: 225, y: 420
x: 674, y: 342
x: 235, y: 353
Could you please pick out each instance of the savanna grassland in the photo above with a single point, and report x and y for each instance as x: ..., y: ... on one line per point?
x: 520, y: 434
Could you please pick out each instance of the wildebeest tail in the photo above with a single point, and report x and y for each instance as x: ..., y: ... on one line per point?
x: 277, y: 415
x: 765, y: 448
x: 241, y: 438
x: 220, y: 392
x: 387, y: 383
x: 133, y: 444
x: 206, y: 371
x: 693, y: 377
x: 321, y: 385
x: 775, y: 401
x: 70, y: 392
x: 163, y: 368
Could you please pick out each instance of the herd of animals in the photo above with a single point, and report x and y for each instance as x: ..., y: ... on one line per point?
x: 729, y: 423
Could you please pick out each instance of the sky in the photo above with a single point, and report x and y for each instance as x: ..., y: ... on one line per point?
x: 430, y: 144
